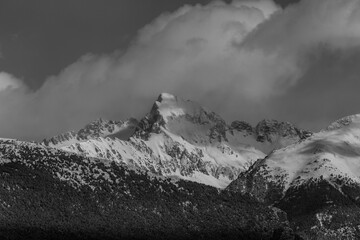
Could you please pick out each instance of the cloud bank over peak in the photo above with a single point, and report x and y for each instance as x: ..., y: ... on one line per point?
x: 231, y: 57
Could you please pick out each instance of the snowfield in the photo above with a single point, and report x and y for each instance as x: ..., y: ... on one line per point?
x: 329, y: 153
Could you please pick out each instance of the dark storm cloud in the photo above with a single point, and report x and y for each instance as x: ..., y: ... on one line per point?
x: 247, y: 60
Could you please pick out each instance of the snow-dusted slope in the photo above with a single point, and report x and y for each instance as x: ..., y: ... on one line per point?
x: 177, y: 138
x: 180, y: 138
x: 328, y: 161
x: 98, y: 128
x: 267, y: 135
x: 48, y: 193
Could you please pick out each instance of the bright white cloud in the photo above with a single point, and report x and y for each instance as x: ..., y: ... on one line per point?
x: 9, y: 82
x: 243, y: 51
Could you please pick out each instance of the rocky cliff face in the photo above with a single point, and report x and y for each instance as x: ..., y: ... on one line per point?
x: 268, y: 135
x: 271, y: 130
x: 181, y: 117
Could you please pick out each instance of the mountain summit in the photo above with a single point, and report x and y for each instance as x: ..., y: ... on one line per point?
x: 178, y: 138
x: 185, y: 118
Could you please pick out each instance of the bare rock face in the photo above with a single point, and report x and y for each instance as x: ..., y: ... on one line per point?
x: 267, y: 129
x: 169, y: 110
x: 242, y: 126
x: 268, y: 135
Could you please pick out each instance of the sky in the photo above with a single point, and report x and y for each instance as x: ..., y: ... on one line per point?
x: 66, y: 63
x: 42, y: 37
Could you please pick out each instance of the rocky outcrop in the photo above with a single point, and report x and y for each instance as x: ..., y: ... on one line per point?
x: 266, y: 129
x: 242, y: 126
x: 268, y: 135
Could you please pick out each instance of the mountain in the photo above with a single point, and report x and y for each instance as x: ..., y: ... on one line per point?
x: 99, y: 128
x: 47, y: 193
x: 316, y: 181
x: 268, y: 135
x: 180, y: 138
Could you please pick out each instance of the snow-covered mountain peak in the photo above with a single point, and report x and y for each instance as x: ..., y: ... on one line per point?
x: 166, y: 98
x: 317, y: 176
x: 184, y: 118
x: 169, y: 107
x: 330, y: 155
x: 178, y: 138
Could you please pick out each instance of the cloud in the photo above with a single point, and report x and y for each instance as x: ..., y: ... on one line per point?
x: 335, y: 23
x: 9, y: 82
x: 233, y: 57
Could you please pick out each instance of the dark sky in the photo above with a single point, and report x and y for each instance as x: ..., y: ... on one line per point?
x: 39, y: 38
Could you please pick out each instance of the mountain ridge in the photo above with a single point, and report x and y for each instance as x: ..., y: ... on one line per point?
x: 179, y: 146
x: 95, y: 129
x: 47, y: 193
x: 328, y: 162
x: 181, y: 138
